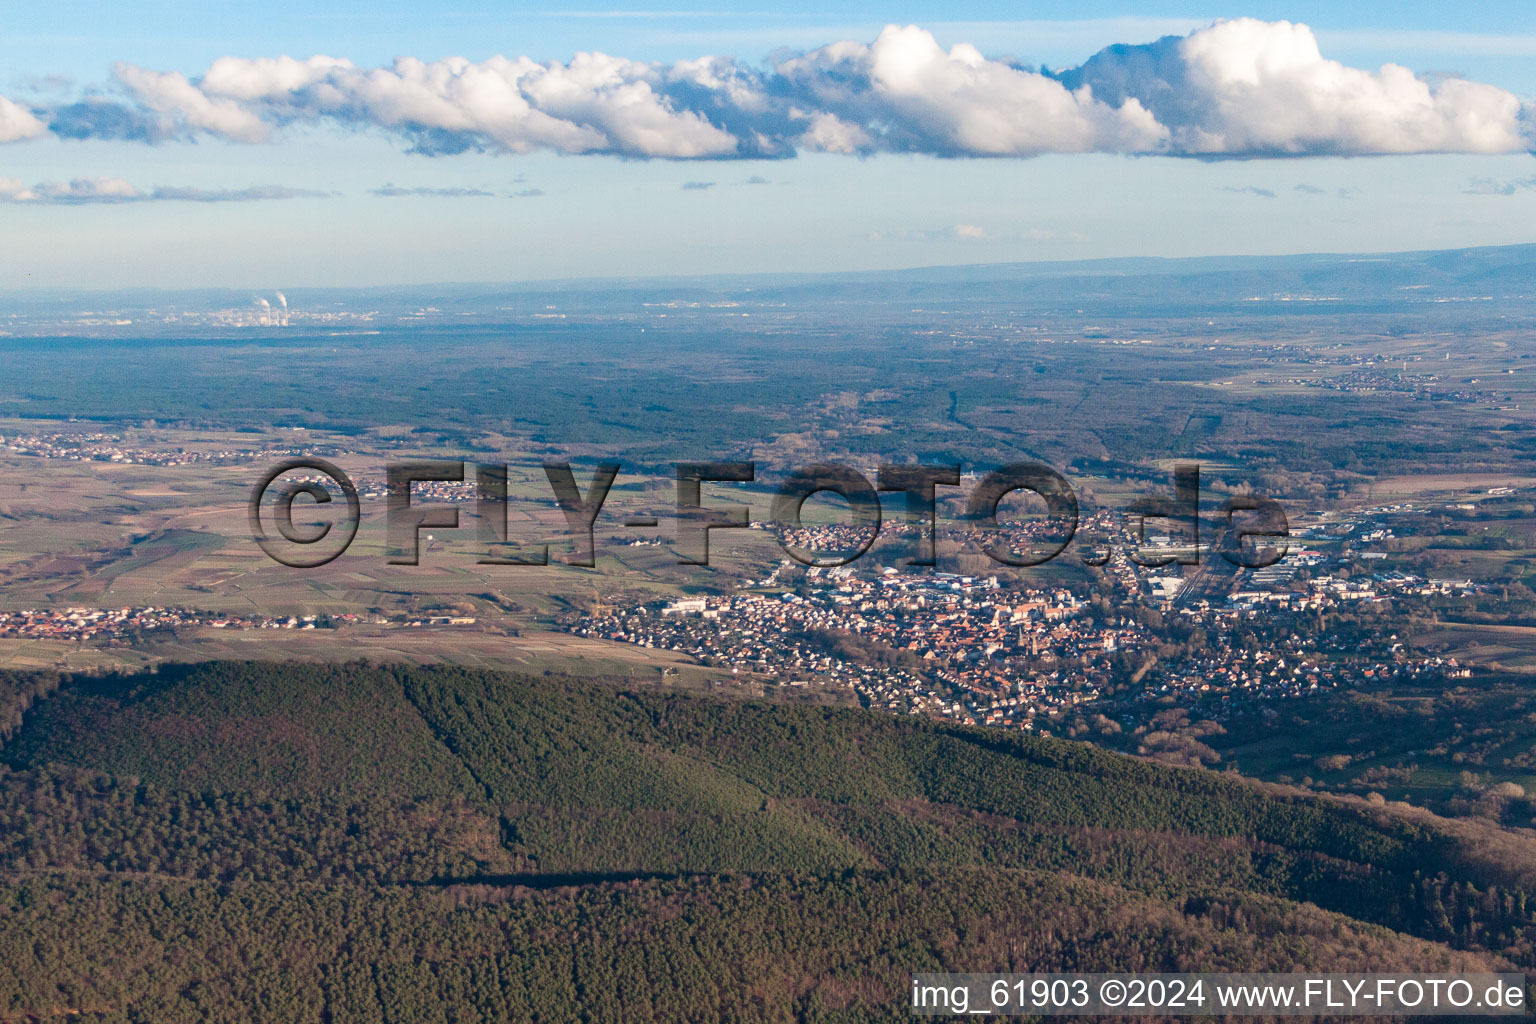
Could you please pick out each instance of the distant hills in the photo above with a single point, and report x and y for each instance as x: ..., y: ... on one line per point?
x: 1498, y: 274
x: 286, y: 842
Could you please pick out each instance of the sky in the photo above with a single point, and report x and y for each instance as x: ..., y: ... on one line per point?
x: 180, y: 145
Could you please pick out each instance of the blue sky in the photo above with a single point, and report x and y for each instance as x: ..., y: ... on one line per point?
x: 920, y: 195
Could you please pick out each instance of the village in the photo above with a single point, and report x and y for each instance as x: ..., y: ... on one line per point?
x: 127, y: 624
x: 98, y: 446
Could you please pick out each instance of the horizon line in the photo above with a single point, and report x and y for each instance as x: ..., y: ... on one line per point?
x: 739, y: 275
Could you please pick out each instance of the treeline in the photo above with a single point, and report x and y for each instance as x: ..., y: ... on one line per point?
x: 716, y: 949
x: 229, y: 726
x: 18, y: 692
x: 63, y: 819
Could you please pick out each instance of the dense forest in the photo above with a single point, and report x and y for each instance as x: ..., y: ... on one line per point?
x: 297, y: 842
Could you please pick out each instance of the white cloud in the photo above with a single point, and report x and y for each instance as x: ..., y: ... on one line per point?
x: 617, y: 98
x: 80, y: 190
x: 1255, y: 88
x: 1271, y: 91
x: 904, y: 92
x: 17, y: 122
x: 171, y: 94
x: 1238, y: 88
x: 829, y: 133
x: 265, y: 78
x: 596, y: 103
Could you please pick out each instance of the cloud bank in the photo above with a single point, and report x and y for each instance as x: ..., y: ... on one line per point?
x: 393, y: 191
x: 1238, y: 89
x: 87, y: 191
x: 1490, y: 187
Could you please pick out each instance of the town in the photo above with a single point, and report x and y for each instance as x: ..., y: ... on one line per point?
x: 988, y: 650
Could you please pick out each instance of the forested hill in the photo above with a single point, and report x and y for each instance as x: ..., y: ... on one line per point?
x: 259, y: 842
